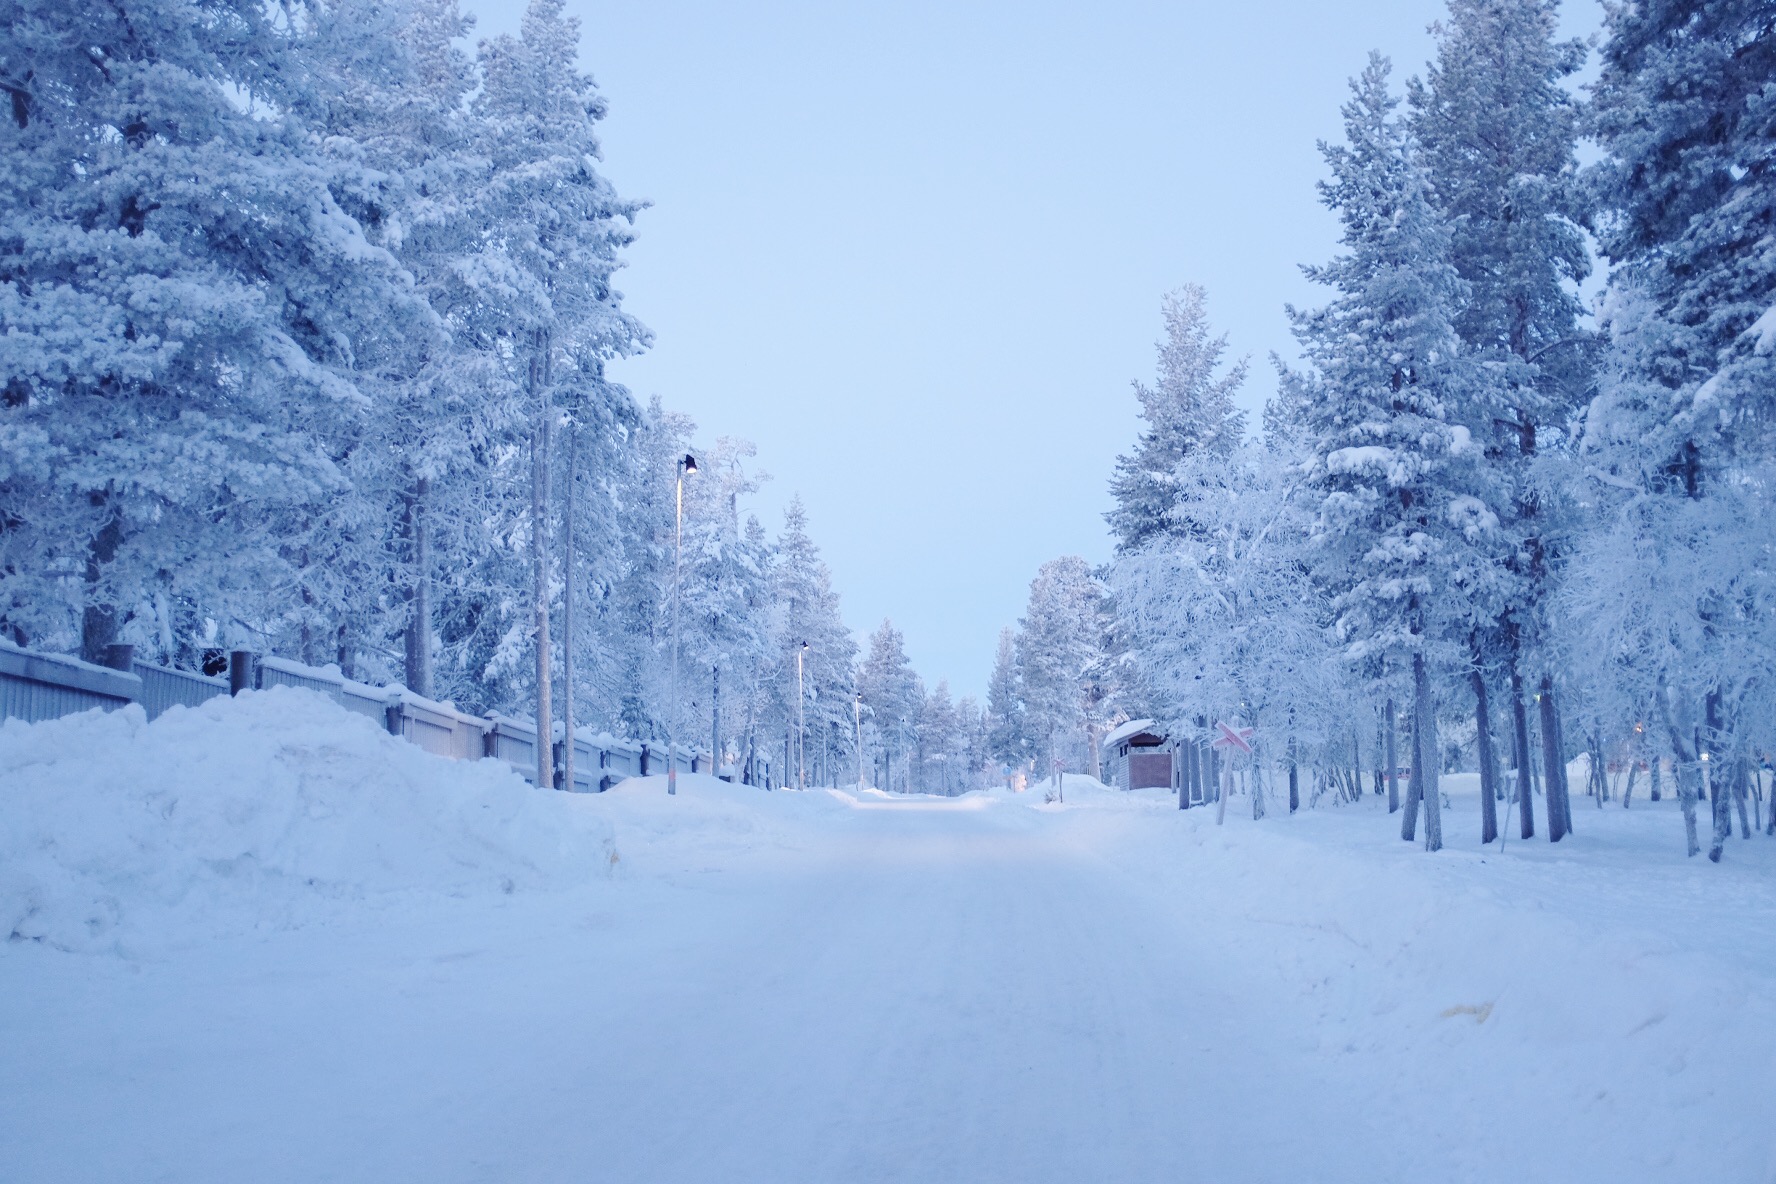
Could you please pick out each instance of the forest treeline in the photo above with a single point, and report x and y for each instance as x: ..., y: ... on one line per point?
x: 306, y: 312
x: 1481, y: 525
x: 306, y: 316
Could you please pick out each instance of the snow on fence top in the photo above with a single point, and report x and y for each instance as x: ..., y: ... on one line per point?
x: 36, y: 687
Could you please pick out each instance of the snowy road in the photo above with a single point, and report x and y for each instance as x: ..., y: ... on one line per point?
x: 912, y: 991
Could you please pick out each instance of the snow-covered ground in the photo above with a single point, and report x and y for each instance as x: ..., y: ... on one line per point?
x: 262, y: 941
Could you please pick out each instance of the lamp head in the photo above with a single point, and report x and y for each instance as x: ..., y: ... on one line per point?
x: 689, y: 463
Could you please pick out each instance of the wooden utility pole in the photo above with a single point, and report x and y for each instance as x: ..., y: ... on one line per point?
x: 539, y: 554
x: 567, y: 612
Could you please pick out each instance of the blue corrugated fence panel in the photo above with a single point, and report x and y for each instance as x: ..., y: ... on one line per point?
x: 44, y: 686
x: 164, y: 687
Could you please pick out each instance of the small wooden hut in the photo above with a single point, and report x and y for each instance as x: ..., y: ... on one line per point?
x: 1140, y: 756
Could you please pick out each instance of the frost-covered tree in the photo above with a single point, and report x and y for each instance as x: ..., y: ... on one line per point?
x: 421, y: 473
x: 1189, y: 407
x: 188, y: 311
x: 809, y: 613
x: 1006, y: 742
x: 942, y: 743
x: 893, y: 695
x: 725, y: 627
x: 1497, y: 131
x: 1059, y: 650
x: 560, y: 227
x: 1226, y: 622
x: 1673, y: 597
x: 1406, y: 531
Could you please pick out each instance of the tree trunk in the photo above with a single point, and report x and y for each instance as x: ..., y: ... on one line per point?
x: 1294, y: 779
x: 715, y: 718
x: 1716, y: 776
x: 1553, y: 768
x: 1741, y: 791
x: 1424, y: 734
x: 1599, y: 768
x: 1393, y: 769
x: 344, y: 652
x: 1769, y: 817
x: 1685, y: 765
x: 1357, y: 764
x: 98, y: 620
x: 1520, y: 739
x: 417, y: 635
x: 1415, y: 779
x: 539, y: 557
x: 1483, y: 744
x: 1653, y: 778
x: 1561, y: 755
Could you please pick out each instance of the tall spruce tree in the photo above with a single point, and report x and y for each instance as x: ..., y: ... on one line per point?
x: 1497, y: 134
x: 1006, y: 741
x: 1406, y: 532
x: 185, y: 305
x: 1189, y: 407
x: 1679, y: 441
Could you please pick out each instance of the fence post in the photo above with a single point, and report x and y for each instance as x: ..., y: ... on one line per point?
x: 240, y: 671
x: 394, y: 714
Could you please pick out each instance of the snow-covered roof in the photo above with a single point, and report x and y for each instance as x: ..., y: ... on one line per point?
x: 1134, y: 727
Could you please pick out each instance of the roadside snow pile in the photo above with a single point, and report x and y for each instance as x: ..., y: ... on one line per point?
x: 710, y: 820
x: 258, y: 812
x: 1605, y: 980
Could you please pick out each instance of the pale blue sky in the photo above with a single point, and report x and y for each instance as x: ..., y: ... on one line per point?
x: 915, y: 251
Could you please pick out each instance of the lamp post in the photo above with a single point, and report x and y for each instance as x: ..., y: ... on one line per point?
x: 857, y: 721
x: 801, y: 724
x: 686, y: 467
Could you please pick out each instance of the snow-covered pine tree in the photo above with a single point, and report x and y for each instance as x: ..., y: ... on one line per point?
x: 893, y: 695
x: 1675, y: 596
x: 1405, y: 534
x: 1059, y: 647
x: 411, y: 172
x: 1006, y: 741
x: 1189, y: 407
x: 185, y: 304
x: 808, y: 610
x: 561, y: 226
x: 600, y: 426
x: 725, y: 627
x: 1225, y: 620
x: 1497, y: 134
x: 940, y: 742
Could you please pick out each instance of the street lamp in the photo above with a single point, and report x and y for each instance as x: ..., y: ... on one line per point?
x: 857, y: 720
x: 801, y: 724
x: 686, y: 467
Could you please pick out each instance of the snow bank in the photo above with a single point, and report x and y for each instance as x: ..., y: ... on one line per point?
x: 259, y: 811
x: 1602, y: 980
x: 714, y: 820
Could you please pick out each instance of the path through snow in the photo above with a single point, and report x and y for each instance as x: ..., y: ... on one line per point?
x: 822, y: 987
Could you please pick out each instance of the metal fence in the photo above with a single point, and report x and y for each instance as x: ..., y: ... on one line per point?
x: 35, y: 686
x: 164, y: 687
